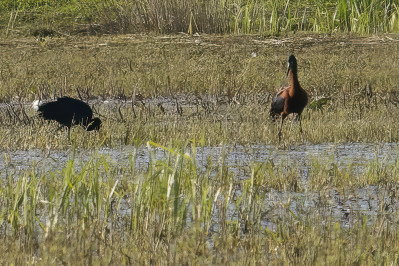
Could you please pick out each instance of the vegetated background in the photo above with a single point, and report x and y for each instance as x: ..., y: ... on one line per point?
x: 181, y: 93
x: 204, y: 16
x: 217, y: 88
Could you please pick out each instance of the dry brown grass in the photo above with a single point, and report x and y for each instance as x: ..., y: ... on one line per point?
x: 174, y: 88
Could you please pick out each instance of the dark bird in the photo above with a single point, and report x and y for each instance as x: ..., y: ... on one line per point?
x: 291, y: 99
x: 68, y: 112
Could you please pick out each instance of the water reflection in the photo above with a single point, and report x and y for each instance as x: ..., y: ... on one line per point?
x: 343, y: 206
x: 235, y: 157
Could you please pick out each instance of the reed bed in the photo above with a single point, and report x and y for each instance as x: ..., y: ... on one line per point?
x: 173, y: 211
x: 50, y: 17
x: 175, y: 94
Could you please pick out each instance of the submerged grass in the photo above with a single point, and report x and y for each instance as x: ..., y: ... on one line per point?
x: 174, y: 211
x: 243, y: 126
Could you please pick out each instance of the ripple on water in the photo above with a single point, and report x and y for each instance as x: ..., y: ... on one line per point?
x: 234, y: 156
x: 238, y: 159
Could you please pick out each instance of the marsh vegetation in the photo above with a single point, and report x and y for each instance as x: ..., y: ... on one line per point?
x: 253, y: 204
x: 186, y: 167
x: 212, y: 187
x: 165, y: 89
x: 52, y: 17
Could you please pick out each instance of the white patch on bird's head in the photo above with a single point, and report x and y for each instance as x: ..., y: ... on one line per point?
x: 35, y: 104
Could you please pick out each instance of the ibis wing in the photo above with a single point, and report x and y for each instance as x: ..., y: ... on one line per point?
x: 49, y: 111
x: 78, y: 110
x: 278, y: 103
x: 66, y: 111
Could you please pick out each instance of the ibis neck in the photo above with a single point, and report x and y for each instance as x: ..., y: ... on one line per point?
x: 293, y: 80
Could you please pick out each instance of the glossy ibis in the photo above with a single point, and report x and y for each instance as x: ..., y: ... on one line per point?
x: 291, y: 99
x: 68, y: 112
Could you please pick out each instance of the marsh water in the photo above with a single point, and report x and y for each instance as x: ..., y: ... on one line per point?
x: 219, y: 92
x: 343, y: 206
x: 236, y: 157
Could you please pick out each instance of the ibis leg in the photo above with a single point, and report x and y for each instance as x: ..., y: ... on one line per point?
x: 292, y: 123
x: 281, y: 127
x: 69, y: 133
x: 300, y: 124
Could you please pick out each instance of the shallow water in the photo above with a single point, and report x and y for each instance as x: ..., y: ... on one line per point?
x: 236, y: 157
x: 344, y: 208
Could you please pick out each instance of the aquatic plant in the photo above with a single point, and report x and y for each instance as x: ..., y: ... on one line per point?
x: 175, y: 210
